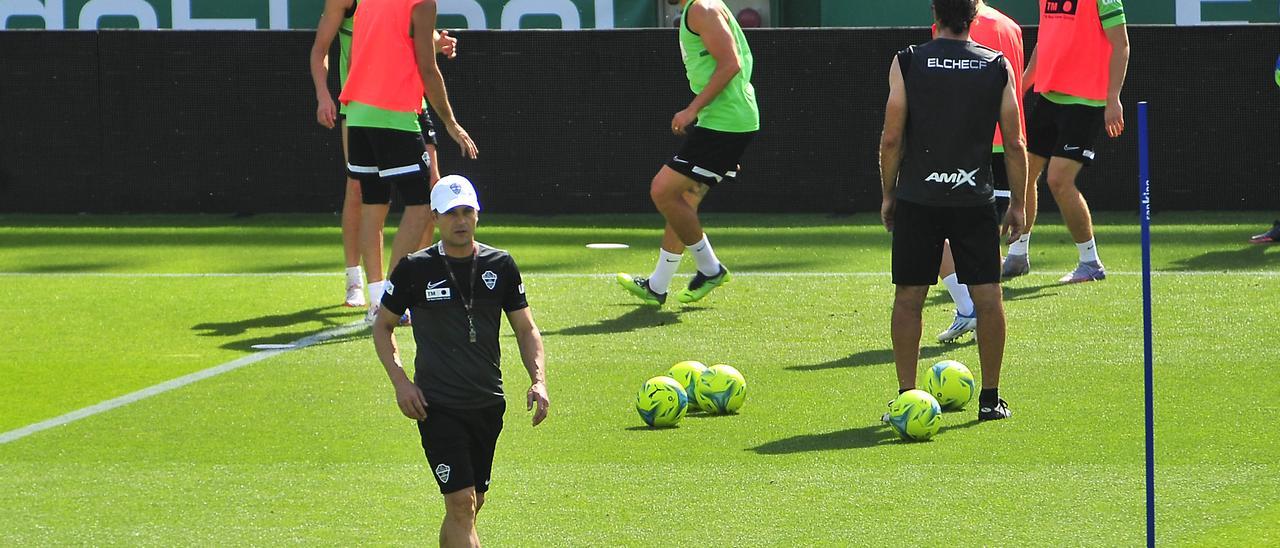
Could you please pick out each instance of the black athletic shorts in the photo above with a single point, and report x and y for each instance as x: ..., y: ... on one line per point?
x: 380, y: 158
x: 1000, y: 177
x: 428, y: 127
x: 918, y: 232
x: 1065, y: 131
x: 460, y: 443
x: 709, y: 156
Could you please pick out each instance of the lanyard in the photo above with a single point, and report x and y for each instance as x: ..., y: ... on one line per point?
x: 469, y: 302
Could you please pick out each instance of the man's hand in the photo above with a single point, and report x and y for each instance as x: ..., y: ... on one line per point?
x: 1114, y: 117
x: 326, y: 111
x: 411, y: 401
x: 887, y: 205
x: 1015, y: 221
x: 682, y: 120
x: 538, y: 394
x: 447, y: 45
x: 463, y: 139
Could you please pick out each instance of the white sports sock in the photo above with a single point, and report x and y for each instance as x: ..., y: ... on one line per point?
x: 708, y: 264
x: 1020, y: 247
x: 959, y: 294
x: 375, y: 292
x: 668, y: 263
x: 1088, y: 252
x: 355, y: 275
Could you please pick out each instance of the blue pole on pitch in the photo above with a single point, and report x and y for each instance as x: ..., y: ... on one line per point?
x: 1144, y: 214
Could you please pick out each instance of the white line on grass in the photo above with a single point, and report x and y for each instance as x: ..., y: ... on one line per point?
x: 588, y: 275
x: 178, y: 382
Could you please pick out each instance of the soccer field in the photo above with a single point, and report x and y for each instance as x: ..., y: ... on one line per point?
x: 307, y: 446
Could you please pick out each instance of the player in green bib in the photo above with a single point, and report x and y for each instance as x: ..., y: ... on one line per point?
x: 338, y: 21
x: 718, y: 125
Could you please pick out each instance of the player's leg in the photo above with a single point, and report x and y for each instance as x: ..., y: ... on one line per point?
x: 429, y: 234
x: 965, y: 320
x: 446, y: 441
x: 1078, y: 128
x: 916, y: 259
x: 975, y: 244
x: 351, y: 233
x: 402, y: 161
x: 991, y: 341
x: 429, y: 137
x: 375, y: 199
x: 459, y: 526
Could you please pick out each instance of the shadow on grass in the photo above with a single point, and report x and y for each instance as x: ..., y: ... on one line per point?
x: 1010, y: 292
x: 852, y: 438
x: 879, y: 357
x: 326, y: 316
x: 1245, y: 257
x: 639, y: 317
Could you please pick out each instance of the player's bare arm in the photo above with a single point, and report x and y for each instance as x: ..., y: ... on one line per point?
x: 1015, y: 157
x: 535, y: 362
x: 408, y: 396
x: 892, y: 143
x: 424, y: 25
x: 706, y: 19
x: 326, y: 31
x: 1119, y: 67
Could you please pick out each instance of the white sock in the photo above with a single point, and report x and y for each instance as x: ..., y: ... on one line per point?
x: 1088, y: 252
x: 375, y: 292
x: 355, y: 275
x: 1020, y: 247
x: 959, y: 294
x: 668, y: 263
x: 708, y: 264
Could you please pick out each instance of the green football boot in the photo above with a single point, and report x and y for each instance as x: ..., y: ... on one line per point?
x: 701, y: 285
x: 639, y: 287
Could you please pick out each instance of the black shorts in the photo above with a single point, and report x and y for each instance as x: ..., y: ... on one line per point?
x: 428, y: 127
x: 918, y: 233
x: 1065, y: 131
x: 380, y: 158
x: 709, y: 156
x: 1000, y: 179
x: 460, y: 443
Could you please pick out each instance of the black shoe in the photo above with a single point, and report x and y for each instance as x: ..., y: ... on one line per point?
x: 639, y: 286
x: 1000, y: 411
x: 1268, y: 237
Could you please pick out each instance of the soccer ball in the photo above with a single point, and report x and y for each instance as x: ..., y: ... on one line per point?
x: 915, y: 415
x: 661, y: 402
x: 721, y: 389
x: 686, y: 373
x: 951, y: 383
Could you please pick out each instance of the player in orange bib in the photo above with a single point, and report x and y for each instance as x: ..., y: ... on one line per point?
x: 1078, y: 70
x: 999, y: 32
x: 393, y: 64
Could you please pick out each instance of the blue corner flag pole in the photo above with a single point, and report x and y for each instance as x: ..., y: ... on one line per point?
x: 1144, y: 213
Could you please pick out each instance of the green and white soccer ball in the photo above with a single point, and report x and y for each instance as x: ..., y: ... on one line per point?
x: 951, y: 383
x: 687, y: 373
x: 915, y: 415
x: 662, y: 402
x: 721, y: 389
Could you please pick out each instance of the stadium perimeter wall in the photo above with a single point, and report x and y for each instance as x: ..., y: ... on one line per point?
x: 214, y: 122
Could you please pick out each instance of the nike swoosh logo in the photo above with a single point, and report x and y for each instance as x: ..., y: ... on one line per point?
x: 1070, y: 148
x: 673, y: 260
x: 435, y: 285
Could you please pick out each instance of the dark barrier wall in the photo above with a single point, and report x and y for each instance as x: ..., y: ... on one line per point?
x: 120, y: 121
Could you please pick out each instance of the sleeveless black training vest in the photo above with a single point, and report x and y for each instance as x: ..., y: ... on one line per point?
x: 954, y: 91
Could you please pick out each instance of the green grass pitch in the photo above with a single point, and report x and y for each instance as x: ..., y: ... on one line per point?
x: 307, y: 447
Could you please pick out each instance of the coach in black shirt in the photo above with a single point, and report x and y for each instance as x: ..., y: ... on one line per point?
x: 945, y: 97
x: 457, y: 290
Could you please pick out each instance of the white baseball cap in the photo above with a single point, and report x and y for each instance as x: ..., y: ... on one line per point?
x: 453, y: 191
